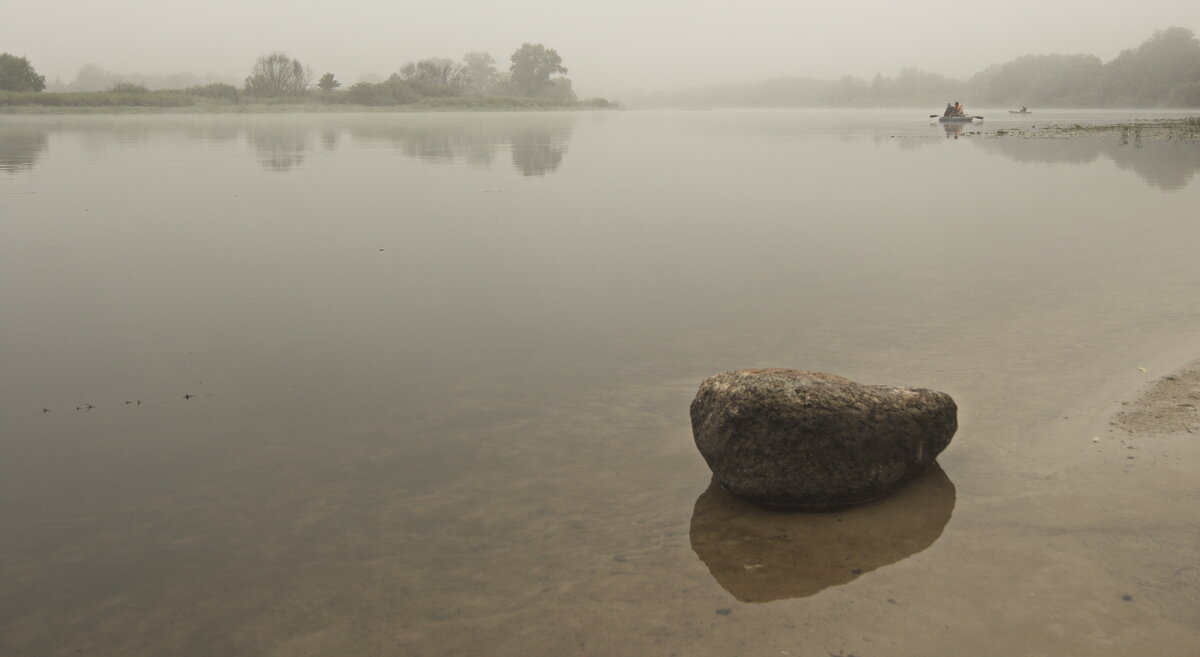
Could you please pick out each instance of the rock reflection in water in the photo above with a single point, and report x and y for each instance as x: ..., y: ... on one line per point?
x: 760, y: 556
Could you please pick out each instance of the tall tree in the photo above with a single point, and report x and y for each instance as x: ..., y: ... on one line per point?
x: 532, y: 66
x: 436, y: 76
x: 435, y: 70
x: 277, y: 74
x: 481, y: 72
x: 328, y: 83
x: 17, y: 74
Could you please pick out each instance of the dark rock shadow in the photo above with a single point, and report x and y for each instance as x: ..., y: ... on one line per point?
x: 760, y: 556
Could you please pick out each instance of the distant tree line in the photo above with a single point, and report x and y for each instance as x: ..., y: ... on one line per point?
x: 535, y: 71
x: 1164, y: 71
x: 91, y: 77
x: 535, y: 77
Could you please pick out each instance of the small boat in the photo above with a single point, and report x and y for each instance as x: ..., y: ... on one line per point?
x: 958, y: 119
x: 1020, y: 111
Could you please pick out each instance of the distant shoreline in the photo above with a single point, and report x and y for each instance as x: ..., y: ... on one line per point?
x: 48, y: 110
x: 154, y: 103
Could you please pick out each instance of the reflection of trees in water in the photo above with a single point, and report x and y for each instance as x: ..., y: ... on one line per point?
x: 20, y: 147
x: 1167, y: 165
x: 279, y: 147
x: 537, y: 152
x: 435, y: 141
x: 21, y: 144
x: 211, y: 131
x: 329, y: 138
x: 1163, y: 164
x: 538, y: 143
x: 102, y: 134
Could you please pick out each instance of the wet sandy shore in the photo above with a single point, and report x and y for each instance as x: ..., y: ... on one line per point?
x: 1170, y: 406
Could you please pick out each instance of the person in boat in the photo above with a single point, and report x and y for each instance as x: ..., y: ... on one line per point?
x: 949, y: 110
x: 958, y: 109
x: 1023, y: 110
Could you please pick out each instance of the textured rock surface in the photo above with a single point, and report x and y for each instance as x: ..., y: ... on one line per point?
x: 791, y: 439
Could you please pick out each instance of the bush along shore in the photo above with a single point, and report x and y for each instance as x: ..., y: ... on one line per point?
x: 227, y: 98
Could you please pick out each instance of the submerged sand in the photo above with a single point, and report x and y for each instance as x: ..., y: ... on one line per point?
x: 1170, y: 406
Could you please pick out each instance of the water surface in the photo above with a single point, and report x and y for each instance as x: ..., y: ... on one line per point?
x: 418, y: 384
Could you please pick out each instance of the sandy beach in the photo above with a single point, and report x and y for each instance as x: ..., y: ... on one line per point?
x: 1170, y: 406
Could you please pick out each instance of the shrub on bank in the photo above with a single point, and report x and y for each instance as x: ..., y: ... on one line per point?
x: 509, y: 102
x: 392, y: 91
x: 128, y: 88
x: 489, y: 102
x: 215, y: 91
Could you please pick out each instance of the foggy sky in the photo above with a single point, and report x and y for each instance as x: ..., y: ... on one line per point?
x: 610, y: 48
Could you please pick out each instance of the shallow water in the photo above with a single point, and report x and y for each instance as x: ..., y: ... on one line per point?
x: 418, y: 384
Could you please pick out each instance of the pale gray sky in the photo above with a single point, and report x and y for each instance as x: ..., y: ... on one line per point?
x: 611, y: 48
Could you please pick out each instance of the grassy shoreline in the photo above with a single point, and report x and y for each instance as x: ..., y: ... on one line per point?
x: 1184, y: 129
x: 182, y: 103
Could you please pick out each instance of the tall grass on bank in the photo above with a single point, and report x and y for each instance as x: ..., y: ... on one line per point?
x: 227, y: 98
x: 172, y: 98
x: 1189, y: 129
x: 509, y: 102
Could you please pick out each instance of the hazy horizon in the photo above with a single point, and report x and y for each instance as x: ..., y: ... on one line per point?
x: 615, y: 49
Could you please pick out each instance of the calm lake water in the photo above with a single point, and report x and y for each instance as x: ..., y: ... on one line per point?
x: 418, y: 384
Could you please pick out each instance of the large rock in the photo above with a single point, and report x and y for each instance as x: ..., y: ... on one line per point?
x: 791, y: 439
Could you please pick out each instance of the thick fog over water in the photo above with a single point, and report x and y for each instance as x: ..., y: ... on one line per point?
x: 613, y: 49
